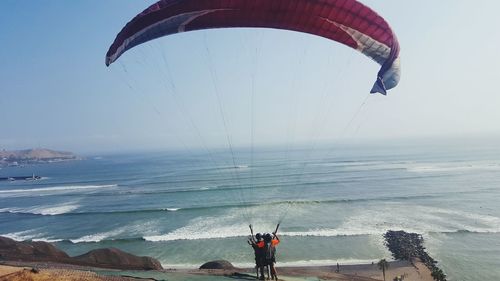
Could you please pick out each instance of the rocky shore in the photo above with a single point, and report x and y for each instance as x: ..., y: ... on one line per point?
x: 408, y: 246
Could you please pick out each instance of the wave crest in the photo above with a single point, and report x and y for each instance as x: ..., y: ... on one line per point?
x: 44, y: 210
x: 51, y: 190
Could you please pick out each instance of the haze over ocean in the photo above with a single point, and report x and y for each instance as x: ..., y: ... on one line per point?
x: 334, y: 204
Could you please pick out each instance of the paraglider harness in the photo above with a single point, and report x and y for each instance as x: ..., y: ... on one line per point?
x: 269, y: 250
x: 254, y: 242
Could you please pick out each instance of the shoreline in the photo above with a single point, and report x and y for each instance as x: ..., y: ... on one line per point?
x: 30, y: 258
x: 286, y: 264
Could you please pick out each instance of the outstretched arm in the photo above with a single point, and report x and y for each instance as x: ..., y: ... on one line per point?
x: 276, y: 230
x: 252, y: 237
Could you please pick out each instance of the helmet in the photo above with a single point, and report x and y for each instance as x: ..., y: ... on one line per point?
x: 258, y: 236
x: 268, y: 237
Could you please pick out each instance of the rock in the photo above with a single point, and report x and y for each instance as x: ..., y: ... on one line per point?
x: 407, y: 246
x: 6, y: 242
x: 219, y: 264
x: 30, y: 251
x: 115, y: 258
x: 44, y: 249
x: 27, y: 251
x: 9, y: 248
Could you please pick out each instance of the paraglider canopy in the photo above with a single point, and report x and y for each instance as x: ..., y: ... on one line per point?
x: 346, y: 21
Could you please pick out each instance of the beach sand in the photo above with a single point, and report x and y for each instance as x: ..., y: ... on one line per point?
x: 364, y: 272
x: 10, y: 273
x: 417, y: 272
x: 360, y: 272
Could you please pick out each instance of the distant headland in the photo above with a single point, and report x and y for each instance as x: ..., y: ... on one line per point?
x: 34, y: 156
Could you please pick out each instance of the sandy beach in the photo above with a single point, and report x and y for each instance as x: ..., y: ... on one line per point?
x: 362, y: 272
x: 11, y: 273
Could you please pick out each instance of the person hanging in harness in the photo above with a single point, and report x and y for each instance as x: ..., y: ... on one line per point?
x: 270, y: 243
x: 258, y: 246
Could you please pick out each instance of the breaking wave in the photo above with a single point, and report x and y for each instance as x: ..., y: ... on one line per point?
x: 46, y: 210
x: 454, y: 167
x: 51, y: 190
x: 68, y: 210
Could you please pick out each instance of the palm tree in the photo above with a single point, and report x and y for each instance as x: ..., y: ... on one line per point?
x: 383, y: 265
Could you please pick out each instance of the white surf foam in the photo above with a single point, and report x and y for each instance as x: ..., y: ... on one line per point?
x: 32, y: 234
x: 224, y: 226
x: 378, y: 219
x: 454, y: 167
x: 45, y: 210
x: 376, y: 166
x: 48, y: 240
x: 133, y: 229
x: 233, y: 225
x: 21, y: 235
x: 41, y: 191
x: 329, y: 232
x: 54, y: 209
x: 190, y: 232
x: 97, y: 237
x: 374, y: 220
x: 242, y: 231
x: 468, y: 221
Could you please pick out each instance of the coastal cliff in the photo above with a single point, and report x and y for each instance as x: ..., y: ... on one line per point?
x: 34, y: 156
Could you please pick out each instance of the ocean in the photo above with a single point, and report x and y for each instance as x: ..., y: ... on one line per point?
x: 333, y: 204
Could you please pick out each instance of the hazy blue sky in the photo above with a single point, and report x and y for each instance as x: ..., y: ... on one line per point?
x: 55, y: 90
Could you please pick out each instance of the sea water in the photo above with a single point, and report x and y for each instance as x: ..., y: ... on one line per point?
x: 334, y: 204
